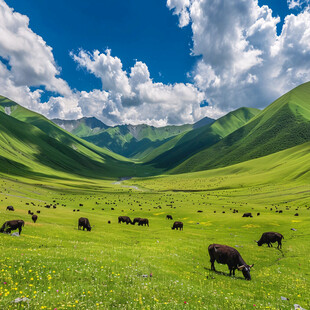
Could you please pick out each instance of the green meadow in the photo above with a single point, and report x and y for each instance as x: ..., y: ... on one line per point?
x: 57, y: 266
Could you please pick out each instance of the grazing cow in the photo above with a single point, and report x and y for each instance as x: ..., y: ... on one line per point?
x: 258, y: 214
x: 124, y: 219
x: 84, y: 222
x: 143, y: 222
x: 169, y: 217
x: 136, y: 220
x: 247, y: 215
x: 199, y: 211
x: 29, y: 212
x: 177, y: 225
x: 38, y: 211
x: 296, y: 214
x: 10, y: 208
x: 34, y: 217
x: 224, y: 254
x: 270, y: 237
x: 8, y: 226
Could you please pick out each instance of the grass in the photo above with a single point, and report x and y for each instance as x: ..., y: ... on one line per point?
x: 57, y: 266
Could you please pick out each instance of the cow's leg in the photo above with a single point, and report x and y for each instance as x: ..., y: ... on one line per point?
x: 20, y: 230
x: 212, y: 264
x: 268, y: 245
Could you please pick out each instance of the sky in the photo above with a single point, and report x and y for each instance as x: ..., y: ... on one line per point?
x: 154, y: 62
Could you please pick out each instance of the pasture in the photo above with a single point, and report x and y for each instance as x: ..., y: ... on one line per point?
x: 57, y: 266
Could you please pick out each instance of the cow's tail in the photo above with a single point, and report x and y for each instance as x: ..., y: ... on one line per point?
x: 2, y: 228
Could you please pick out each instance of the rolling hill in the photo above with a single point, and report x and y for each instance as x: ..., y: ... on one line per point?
x: 282, y: 125
x: 181, y: 147
x: 33, y: 146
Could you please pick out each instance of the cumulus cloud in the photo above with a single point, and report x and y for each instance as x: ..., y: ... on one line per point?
x: 134, y: 98
x: 29, y: 58
x: 243, y: 60
x: 297, y: 4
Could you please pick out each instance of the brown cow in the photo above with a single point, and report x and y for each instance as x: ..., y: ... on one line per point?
x: 136, y: 220
x: 270, y: 237
x: 225, y: 254
x: 8, y: 226
x: 247, y: 215
x: 124, y: 219
x: 177, y: 225
x: 143, y: 222
x: 84, y: 222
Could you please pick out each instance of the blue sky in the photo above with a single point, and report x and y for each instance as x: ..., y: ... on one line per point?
x: 165, y: 58
x: 139, y: 29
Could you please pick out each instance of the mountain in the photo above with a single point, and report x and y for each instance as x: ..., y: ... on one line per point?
x: 82, y: 127
x: 181, y: 147
x: 282, y: 125
x: 132, y: 141
x: 33, y: 146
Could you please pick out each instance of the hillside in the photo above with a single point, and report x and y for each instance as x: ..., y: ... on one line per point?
x: 183, y: 146
x: 132, y: 141
x: 32, y: 146
x: 282, y: 125
x: 82, y: 127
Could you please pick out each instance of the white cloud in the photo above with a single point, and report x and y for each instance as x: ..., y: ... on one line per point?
x: 134, y: 98
x: 243, y: 60
x: 297, y: 4
x: 30, y: 59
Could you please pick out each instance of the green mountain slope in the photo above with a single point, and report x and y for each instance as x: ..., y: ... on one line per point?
x: 283, y: 124
x: 183, y: 146
x: 82, y: 127
x: 33, y: 146
x: 132, y: 141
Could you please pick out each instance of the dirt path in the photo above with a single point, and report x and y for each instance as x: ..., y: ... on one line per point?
x: 126, y: 186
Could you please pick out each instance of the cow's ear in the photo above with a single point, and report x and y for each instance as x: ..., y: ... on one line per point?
x: 240, y: 267
x: 251, y: 265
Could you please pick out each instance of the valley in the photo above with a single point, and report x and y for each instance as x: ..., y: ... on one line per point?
x: 248, y: 161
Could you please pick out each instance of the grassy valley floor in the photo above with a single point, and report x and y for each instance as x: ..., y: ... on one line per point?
x: 57, y: 266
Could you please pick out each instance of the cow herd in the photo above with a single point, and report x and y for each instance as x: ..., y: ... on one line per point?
x: 222, y: 254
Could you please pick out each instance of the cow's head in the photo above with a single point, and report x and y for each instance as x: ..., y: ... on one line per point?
x: 259, y: 243
x: 246, y: 271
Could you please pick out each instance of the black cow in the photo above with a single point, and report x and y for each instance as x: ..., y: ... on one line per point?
x: 10, y: 208
x: 8, y: 226
x: 84, y: 222
x: 224, y: 254
x: 143, y: 222
x: 34, y: 217
x: 136, y: 220
x: 29, y: 212
x: 177, y: 225
x: 247, y: 215
x: 270, y: 237
x: 124, y: 219
x: 169, y: 217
